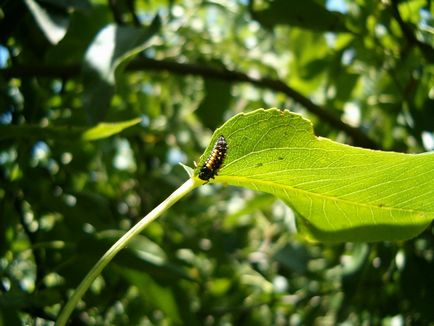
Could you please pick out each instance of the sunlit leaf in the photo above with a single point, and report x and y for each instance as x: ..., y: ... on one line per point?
x: 341, y: 193
x: 105, y: 129
x: 53, y: 24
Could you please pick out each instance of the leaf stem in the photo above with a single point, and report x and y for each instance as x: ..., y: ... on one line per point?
x: 187, y: 187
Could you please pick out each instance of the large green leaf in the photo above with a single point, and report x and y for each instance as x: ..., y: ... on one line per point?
x: 107, y: 129
x: 341, y: 193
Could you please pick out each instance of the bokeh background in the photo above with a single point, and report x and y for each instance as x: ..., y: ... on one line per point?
x: 361, y: 71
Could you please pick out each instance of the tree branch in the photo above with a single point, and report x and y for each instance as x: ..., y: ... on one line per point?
x: 131, y: 5
x: 117, y: 14
x: 138, y: 64
x: 426, y: 49
x: 323, y: 114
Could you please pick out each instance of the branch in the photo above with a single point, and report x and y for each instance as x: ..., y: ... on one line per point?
x: 427, y: 50
x: 131, y: 5
x: 138, y: 64
x: 63, y: 72
x: 323, y: 114
x: 117, y: 14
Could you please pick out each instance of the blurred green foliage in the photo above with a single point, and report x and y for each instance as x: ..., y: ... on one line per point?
x: 223, y: 255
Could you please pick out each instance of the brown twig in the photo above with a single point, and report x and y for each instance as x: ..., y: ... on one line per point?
x: 325, y: 115
x: 322, y: 113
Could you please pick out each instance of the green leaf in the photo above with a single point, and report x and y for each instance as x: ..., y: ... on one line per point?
x: 341, y: 193
x: 110, y: 51
x: 84, y: 24
x: 187, y: 169
x: 107, y: 129
x: 310, y: 60
x: 53, y: 23
x: 310, y: 15
x: 101, y: 130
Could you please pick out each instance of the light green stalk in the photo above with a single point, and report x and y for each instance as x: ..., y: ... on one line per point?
x: 187, y: 187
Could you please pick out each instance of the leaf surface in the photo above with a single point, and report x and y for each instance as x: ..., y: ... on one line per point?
x: 339, y: 192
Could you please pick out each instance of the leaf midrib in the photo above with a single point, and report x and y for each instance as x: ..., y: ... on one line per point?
x: 227, y: 179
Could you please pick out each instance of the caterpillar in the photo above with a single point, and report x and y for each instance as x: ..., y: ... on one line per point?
x: 215, y: 160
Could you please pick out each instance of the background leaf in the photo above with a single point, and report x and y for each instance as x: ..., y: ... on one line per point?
x: 311, y: 15
x: 217, y: 98
x: 112, y: 48
x: 54, y: 24
x: 72, y: 48
x: 102, y: 130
